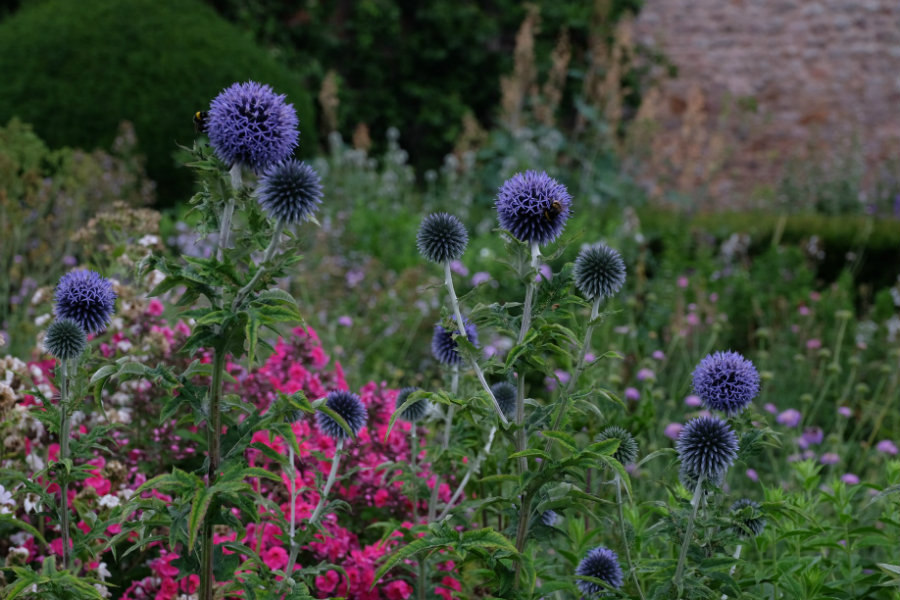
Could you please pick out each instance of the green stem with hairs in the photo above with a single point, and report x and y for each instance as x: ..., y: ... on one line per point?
x: 688, y: 534
x: 270, y: 251
x: 473, y: 466
x: 213, y: 433
x: 445, y: 443
x: 63, y: 455
x: 625, y: 543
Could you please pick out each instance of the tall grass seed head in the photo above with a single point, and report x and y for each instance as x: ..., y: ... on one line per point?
x: 350, y: 407
x: 533, y: 206
x: 249, y: 124
x: 444, y: 347
x: 746, y: 526
x: 414, y: 411
x: 599, y: 271
x: 707, y: 446
x: 505, y: 394
x: 441, y: 238
x: 600, y: 563
x: 86, y: 298
x: 726, y: 381
x: 65, y: 339
x: 627, y: 452
x: 290, y: 191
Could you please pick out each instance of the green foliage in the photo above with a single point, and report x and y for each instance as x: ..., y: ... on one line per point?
x: 75, y: 70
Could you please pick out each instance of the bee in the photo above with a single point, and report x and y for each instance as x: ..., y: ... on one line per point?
x: 200, y: 121
x: 553, y: 212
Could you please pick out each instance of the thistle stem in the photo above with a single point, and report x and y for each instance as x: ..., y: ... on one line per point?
x: 625, y: 543
x: 737, y: 556
x: 228, y: 212
x: 413, y: 451
x: 688, y: 534
x: 323, y: 497
x: 213, y: 433
x: 293, y: 530
x: 270, y: 251
x: 448, y: 281
x: 476, y: 462
x: 63, y: 455
x: 445, y: 443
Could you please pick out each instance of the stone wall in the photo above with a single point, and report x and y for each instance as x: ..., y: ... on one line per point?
x: 780, y: 82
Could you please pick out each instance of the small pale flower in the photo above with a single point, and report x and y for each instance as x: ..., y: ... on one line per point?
x: 790, y: 418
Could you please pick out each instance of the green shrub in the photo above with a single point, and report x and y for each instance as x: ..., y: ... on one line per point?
x: 76, y: 69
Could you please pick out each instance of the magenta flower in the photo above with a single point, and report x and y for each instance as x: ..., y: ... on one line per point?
x: 845, y: 411
x: 849, y: 478
x: 693, y: 401
x: 752, y: 475
x: 673, y: 430
x: 645, y: 375
x: 790, y: 418
x: 658, y: 355
x: 632, y: 394
x: 886, y: 446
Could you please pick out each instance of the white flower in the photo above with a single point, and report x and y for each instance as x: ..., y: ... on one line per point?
x: 103, y: 572
x: 34, y: 461
x: 6, y: 497
x: 148, y: 240
x: 32, y: 503
x: 39, y: 321
x: 109, y: 501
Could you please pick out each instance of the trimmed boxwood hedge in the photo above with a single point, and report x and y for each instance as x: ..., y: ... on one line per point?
x: 76, y: 69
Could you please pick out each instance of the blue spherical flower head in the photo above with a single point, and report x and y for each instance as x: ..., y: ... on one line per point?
x: 349, y: 406
x: 290, y: 191
x: 414, y: 411
x: 441, y: 238
x: 627, y: 452
x: 726, y: 381
x: 444, y: 347
x: 550, y: 518
x: 505, y: 394
x: 65, y: 339
x: 86, y: 298
x: 533, y: 206
x: 600, y: 563
x: 750, y: 521
x: 707, y: 446
x: 250, y: 124
x: 599, y: 271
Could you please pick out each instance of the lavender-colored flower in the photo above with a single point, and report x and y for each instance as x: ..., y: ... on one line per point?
x: 693, y: 401
x: 533, y: 207
x: 480, y: 277
x: 645, y: 375
x: 830, y: 458
x: 790, y: 418
x: 632, y: 394
x: 414, y: 411
x: 86, y: 298
x: 850, y: 478
x: 65, y: 339
x: 726, y: 381
x: 673, y: 430
x: 442, y: 238
x: 707, y: 446
x: 599, y: 271
x: 770, y: 408
x: 505, y: 394
x: 600, y: 563
x: 627, y: 452
x: 845, y: 411
x: 752, y: 475
x: 350, y: 407
x: 444, y: 347
x: 813, y: 435
x: 290, y: 191
x: 887, y: 447
x: 250, y: 124
x: 549, y: 518
x: 749, y: 520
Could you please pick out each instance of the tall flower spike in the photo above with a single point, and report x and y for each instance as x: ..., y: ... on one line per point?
x: 747, y: 526
x: 726, y: 381
x: 627, y: 452
x: 600, y: 563
x: 441, y: 238
x: 86, y: 298
x: 65, y: 339
x: 290, y: 191
x: 349, y: 406
x: 505, y: 393
x: 249, y: 124
x: 414, y: 411
x: 444, y: 347
x: 707, y: 446
x: 533, y: 206
x: 599, y: 271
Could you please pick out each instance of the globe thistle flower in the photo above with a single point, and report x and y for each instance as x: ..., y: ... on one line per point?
x: 441, y: 238
x: 349, y: 406
x: 599, y: 271
x: 533, y: 206
x: 505, y: 393
x: 414, y: 411
x: 290, y: 191
x: 627, y: 452
x: 549, y: 518
x: 86, y: 298
x: 600, y: 563
x: 746, y: 526
x: 707, y: 446
x: 249, y: 124
x: 65, y: 339
x: 444, y: 347
x: 726, y: 381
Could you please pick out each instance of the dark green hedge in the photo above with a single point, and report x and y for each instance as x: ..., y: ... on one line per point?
x: 76, y: 69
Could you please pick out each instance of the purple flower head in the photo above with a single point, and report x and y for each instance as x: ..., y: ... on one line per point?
x: 600, y: 563
x: 65, y: 339
x: 549, y: 518
x: 646, y: 375
x: 770, y: 408
x: 533, y: 207
x: 813, y: 436
x: 752, y: 475
x: 86, y: 298
x: 726, y: 381
x: 850, y: 478
x: 350, y: 407
x: 707, y: 446
x: 673, y: 430
x: 632, y: 394
x: 749, y: 521
x: 442, y: 238
x: 290, y: 191
x: 505, y: 394
x: 845, y: 411
x: 444, y: 347
x: 250, y: 124
x: 886, y: 446
x: 599, y: 271
x: 789, y: 418
x: 480, y: 277
x: 414, y: 411
x: 830, y: 458
x: 627, y: 452
x: 693, y: 401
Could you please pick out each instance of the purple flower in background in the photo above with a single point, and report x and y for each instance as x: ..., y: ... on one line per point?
x: 545, y: 273
x: 480, y: 277
x: 813, y: 435
x: 250, y: 124
x: 290, y: 191
x: 845, y: 411
x: 752, y: 475
x: 658, y: 355
x: 645, y: 375
x: 444, y: 347
x: 632, y: 394
x: 693, y: 401
x: 459, y: 268
x: 790, y: 418
x: 830, y: 458
x: 770, y: 408
x: 726, y: 381
x: 682, y: 282
x: 533, y: 206
x: 345, y: 321
x: 849, y: 478
x: 673, y: 430
x: 886, y: 446
x: 86, y: 298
